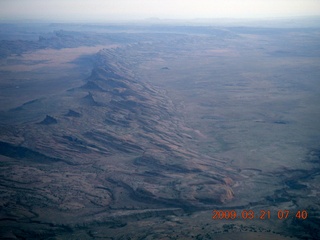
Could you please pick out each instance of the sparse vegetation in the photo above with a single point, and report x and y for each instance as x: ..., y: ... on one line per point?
x: 125, y: 135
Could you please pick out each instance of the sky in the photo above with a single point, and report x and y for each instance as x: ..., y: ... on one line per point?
x: 106, y: 10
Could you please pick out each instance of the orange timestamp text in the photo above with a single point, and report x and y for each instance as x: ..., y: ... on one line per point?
x: 262, y: 214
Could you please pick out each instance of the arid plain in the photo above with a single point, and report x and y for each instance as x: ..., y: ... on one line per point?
x: 141, y: 132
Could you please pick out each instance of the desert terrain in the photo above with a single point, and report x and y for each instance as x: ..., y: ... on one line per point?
x: 144, y: 132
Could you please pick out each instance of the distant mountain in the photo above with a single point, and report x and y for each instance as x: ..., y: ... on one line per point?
x: 58, y: 40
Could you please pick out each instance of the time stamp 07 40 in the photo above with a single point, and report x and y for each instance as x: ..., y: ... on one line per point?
x: 261, y: 214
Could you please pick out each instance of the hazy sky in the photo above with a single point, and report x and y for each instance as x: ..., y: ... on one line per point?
x: 99, y: 10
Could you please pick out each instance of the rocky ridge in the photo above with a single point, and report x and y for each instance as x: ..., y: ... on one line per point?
x: 113, y: 143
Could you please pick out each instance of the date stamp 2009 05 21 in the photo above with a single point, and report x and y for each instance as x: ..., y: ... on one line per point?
x: 262, y: 214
